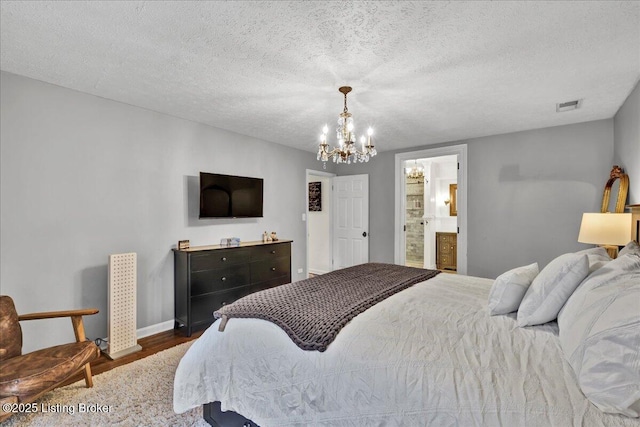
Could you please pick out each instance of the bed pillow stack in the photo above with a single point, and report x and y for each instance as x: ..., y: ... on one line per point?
x: 539, y: 296
x: 600, y: 335
x: 597, y: 304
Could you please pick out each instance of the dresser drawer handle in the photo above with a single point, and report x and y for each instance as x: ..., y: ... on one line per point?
x: 224, y: 279
x: 273, y: 252
x: 224, y: 259
x: 273, y: 269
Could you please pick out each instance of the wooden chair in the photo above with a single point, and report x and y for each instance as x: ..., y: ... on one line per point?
x: 25, y: 378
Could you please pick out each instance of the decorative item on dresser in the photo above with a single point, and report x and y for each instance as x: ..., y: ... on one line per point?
x: 208, y: 277
x: 446, y: 251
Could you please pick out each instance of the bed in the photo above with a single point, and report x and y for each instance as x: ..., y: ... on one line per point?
x: 428, y: 355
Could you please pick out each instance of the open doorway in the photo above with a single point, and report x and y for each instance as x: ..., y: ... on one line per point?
x: 430, y: 212
x: 319, y: 222
x: 431, y: 216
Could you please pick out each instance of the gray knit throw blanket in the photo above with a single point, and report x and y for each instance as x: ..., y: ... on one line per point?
x: 313, y: 311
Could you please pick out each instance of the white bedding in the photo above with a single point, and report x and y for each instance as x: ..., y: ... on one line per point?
x: 429, y: 355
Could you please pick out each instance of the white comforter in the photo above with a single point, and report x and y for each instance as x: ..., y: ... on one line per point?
x: 429, y: 355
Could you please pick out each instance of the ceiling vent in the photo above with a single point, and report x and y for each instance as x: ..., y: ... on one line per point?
x: 569, y: 105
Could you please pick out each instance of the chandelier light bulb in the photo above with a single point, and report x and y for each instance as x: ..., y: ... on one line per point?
x: 370, y: 131
x: 325, y: 129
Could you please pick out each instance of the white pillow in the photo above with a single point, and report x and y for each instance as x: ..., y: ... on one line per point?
x: 631, y: 248
x: 551, y: 289
x: 600, y: 336
x: 611, y: 273
x: 509, y: 289
x: 598, y: 257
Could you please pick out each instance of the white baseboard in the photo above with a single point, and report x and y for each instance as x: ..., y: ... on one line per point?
x: 313, y: 271
x: 154, y: 329
x: 148, y: 331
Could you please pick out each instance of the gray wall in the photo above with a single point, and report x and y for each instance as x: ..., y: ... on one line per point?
x: 83, y: 177
x: 626, y: 148
x: 526, y: 194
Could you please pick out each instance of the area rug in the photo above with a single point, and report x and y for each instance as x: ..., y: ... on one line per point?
x: 136, y: 394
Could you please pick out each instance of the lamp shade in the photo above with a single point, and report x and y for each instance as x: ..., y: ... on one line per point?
x: 605, y: 229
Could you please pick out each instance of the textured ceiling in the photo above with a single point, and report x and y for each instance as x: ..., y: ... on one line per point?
x: 421, y: 72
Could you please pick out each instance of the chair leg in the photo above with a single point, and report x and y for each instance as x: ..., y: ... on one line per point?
x: 88, y: 379
x: 78, y: 329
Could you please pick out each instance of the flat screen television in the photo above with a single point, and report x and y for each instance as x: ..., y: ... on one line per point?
x: 227, y: 196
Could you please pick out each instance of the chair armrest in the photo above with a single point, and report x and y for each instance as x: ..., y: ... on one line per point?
x: 54, y: 314
x: 75, y: 315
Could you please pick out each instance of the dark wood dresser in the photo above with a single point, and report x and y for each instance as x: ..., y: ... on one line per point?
x: 208, y: 277
x: 446, y: 251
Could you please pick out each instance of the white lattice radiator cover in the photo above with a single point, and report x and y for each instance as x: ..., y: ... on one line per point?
x: 122, y: 305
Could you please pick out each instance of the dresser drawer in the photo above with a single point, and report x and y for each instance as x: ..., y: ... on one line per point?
x: 274, y: 250
x: 202, y: 307
x: 444, y: 239
x: 445, y: 260
x: 221, y: 258
x: 269, y: 269
x: 271, y: 283
x: 447, y: 249
x: 206, y: 281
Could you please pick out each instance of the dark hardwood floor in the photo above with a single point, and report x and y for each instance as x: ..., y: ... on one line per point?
x: 150, y: 345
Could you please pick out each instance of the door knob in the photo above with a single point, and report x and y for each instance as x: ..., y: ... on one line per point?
x: 364, y: 234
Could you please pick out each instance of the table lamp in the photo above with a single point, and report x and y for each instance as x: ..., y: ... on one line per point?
x: 609, y: 230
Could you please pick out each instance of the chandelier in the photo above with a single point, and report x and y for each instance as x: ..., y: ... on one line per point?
x: 416, y: 172
x: 346, y: 151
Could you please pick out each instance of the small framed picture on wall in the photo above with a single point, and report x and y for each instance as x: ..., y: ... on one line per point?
x: 315, y: 196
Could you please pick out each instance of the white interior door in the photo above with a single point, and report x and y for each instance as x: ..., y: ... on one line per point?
x: 350, y: 220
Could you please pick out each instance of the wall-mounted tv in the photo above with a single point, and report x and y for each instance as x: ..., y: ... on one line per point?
x: 226, y: 196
